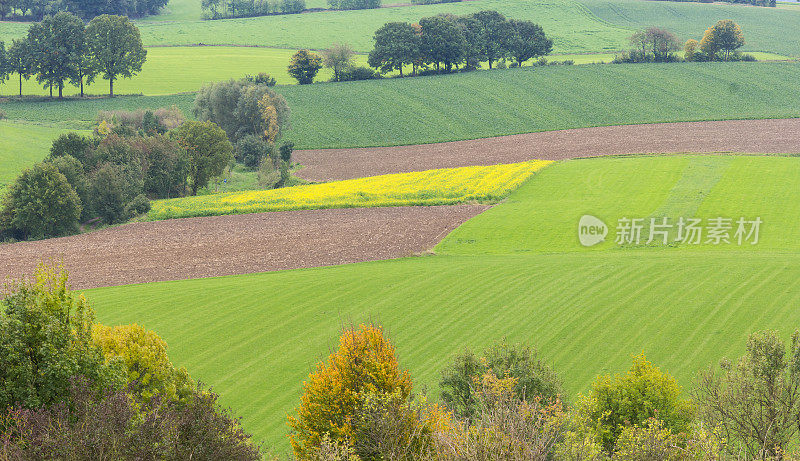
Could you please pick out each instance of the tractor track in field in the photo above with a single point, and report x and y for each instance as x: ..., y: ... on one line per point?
x: 780, y: 136
x: 226, y: 245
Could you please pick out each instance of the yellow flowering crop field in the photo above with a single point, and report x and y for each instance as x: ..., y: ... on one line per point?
x: 434, y: 187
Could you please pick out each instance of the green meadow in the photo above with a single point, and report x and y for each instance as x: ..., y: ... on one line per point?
x: 516, y: 271
x: 171, y: 70
x: 492, y: 103
x: 21, y: 145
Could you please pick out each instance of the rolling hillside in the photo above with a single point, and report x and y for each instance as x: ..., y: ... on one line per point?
x: 255, y: 337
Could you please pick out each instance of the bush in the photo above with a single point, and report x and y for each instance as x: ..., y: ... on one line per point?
x: 138, y: 206
x: 357, y: 73
x: 72, y: 144
x: 533, y: 377
x: 208, y: 151
x: 353, y: 4
x: 364, y: 364
x: 40, y: 204
x: 251, y: 150
x: 262, y: 78
x: 631, y: 399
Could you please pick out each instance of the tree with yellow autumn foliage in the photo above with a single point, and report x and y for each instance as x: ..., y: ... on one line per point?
x: 364, y: 366
x: 144, y: 354
x: 725, y: 37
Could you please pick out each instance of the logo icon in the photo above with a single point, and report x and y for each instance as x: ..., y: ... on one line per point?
x: 591, y: 230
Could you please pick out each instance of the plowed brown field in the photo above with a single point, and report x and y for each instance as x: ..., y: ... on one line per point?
x: 756, y: 136
x: 225, y: 245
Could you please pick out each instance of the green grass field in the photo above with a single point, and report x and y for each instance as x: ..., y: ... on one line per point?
x: 481, y: 104
x: 764, y: 29
x: 171, y: 70
x: 517, y: 272
x: 22, y: 145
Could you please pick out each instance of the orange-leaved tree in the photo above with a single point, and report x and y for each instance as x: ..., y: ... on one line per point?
x: 364, y: 365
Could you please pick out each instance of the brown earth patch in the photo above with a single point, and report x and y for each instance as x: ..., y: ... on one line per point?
x: 755, y: 136
x: 226, y: 245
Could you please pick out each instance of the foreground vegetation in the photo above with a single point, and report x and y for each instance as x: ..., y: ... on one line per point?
x: 433, y: 187
x: 587, y: 311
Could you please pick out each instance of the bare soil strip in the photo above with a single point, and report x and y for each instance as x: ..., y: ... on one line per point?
x: 753, y: 136
x: 226, y: 245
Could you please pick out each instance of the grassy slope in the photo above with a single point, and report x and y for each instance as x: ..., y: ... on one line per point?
x: 481, y: 104
x: 576, y: 26
x: 22, y: 145
x: 703, y: 187
x: 586, y: 310
x: 765, y: 29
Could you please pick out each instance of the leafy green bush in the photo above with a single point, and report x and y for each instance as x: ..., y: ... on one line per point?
x: 357, y: 73
x: 643, y: 393
x: 39, y: 204
x: 533, y: 377
x: 251, y: 150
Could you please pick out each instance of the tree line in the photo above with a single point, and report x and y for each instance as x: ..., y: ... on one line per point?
x: 61, y: 49
x: 221, y: 9
x: 507, y: 403
x: 654, y: 44
x: 446, y: 41
x: 36, y: 10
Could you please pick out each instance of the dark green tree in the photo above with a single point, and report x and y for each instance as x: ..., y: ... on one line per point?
x: 4, y: 66
x: 208, y: 148
x: 115, y: 47
x: 39, y: 204
x: 495, y: 32
x: 396, y: 44
x: 442, y: 41
x: 56, y: 46
x: 304, y: 66
x: 526, y: 41
x: 19, y: 60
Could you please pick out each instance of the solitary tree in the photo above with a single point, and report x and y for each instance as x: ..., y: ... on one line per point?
x: 19, y: 60
x: 527, y: 40
x: 208, y: 149
x: 725, y: 36
x: 304, y: 66
x: 396, y: 44
x: 116, y: 48
x: 338, y: 57
x: 40, y: 203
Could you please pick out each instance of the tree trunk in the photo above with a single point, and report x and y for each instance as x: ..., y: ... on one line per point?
x: 60, y: 91
x: 51, y: 91
x: 81, y: 86
x: 111, y: 87
x: 490, y: 64
x: 20, y: 85
x: 401, y: 71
